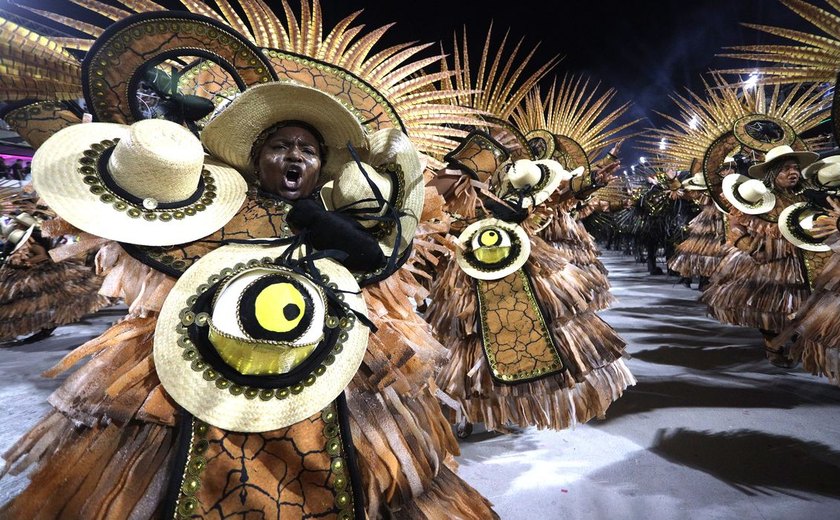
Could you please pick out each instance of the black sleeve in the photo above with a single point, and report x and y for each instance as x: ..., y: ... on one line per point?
x: 333, y: 230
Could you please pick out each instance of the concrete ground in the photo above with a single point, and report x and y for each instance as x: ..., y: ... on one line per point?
x: 711, y: 431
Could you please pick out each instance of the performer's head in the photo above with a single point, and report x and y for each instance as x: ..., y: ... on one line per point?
x: 288, y: 158
x: 785, y: 174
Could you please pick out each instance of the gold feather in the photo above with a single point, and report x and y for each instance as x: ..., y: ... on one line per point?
x: 707, y: 116
x: 813, y: 57
x: 572, y: 110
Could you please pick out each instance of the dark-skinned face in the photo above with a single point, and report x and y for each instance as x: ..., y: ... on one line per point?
x: 289, y: 163
x: 789, y: 175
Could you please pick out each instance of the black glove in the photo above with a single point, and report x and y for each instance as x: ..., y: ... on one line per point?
x: 333, y: 230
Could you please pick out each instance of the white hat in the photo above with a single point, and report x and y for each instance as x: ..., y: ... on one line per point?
x: 796, y: 222
x: 535, y: 180
x: 825, y: 172
x: 397, y: 172
x: 750, y: 196
x: 778, y: 153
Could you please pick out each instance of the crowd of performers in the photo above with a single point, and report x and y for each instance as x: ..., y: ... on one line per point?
x: 329, y: 255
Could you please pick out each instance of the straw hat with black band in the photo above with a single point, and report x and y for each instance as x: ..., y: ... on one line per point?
x: 534, y: 181
x: 824, y: 173
x: 780, y: 153
x: 749, y: 196
x: 255, y: 338
x: 233, y: 133
x: 796, y: 222
x: 148, y: 184
x: 393, y: 166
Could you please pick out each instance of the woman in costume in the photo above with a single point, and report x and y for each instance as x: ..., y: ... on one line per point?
x: 813, y: 227
x: 507, y: 281
x: 287, y: 160
x: 763, y: 281
x: 36, y: 293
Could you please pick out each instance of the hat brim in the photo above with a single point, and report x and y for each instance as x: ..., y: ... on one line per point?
x: 555, y: 179
x: 56, y: 178
x: 757, y: 171
x: 731, y: 183
x: 510, y: 266
x: 26, y: 236
x: 381, y: 152
x: 230, y: 135
x: 220, y: 407
x: 790, y: 225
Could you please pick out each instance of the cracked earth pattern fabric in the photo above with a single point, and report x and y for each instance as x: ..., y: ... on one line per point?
x: 514, y: 335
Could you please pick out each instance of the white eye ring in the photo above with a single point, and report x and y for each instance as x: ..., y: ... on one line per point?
x: 229, y: 300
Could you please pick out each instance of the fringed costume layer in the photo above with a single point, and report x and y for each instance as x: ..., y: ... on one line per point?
x: 113, y: 418
x: 46, y: 295
x: 703, y: 249
x: 594, y: 374
x: 761, y: 282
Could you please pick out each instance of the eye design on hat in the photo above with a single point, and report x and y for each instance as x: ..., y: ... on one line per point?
x: 493, y: 249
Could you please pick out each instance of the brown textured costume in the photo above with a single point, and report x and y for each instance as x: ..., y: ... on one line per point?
x: 704, y: 248
x: 762, y: 281
x: 113, y: 418
x: 45, y: 295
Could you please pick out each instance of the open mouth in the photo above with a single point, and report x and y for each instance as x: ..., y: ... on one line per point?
x: 292, y: 178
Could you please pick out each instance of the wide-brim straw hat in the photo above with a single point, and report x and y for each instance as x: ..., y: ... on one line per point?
x: 19, y: 237
x: 492, y: 249
x: 148, y: 184
x: 824, y: 173
x: 748, y: 195
x: 780, y: 153
x: 191, y: 367
x: 542, y: 178
x: 231, y: 134
x: 395, y: 167
x: 796, y: 222
x: 695, y: 183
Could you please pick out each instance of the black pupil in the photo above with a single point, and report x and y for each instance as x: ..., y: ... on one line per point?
x: 291, y: 311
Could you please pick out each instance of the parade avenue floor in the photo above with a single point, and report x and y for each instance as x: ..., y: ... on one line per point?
x: 711, y: 430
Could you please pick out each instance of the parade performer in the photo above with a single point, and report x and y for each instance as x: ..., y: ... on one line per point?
x: 401, y: 438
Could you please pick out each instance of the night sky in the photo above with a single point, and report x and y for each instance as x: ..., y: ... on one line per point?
x: 647, y: 49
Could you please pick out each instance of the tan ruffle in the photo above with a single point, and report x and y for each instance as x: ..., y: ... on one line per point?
x: 46, y: 295
x: 704, y: 248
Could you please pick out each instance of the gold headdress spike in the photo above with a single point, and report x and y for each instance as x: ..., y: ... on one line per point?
x: 572, y: 111
x: 423, y: 110
x: 496, y: 86
x: 810, y: 58
x: 706, y: 117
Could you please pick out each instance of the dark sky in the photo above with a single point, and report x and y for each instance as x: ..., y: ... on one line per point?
x: 646, y: 49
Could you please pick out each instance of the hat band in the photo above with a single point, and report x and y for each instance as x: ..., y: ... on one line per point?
x: 745, y: 202
x: 257, y: 357
x: 93, y: 168
x: 795, y: 229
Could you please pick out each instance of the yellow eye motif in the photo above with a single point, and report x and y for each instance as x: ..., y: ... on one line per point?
x: 491, y: 245
x: 279, y: 307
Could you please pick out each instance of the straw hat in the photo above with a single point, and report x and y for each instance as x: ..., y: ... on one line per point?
x: 779, y: 153
x: 397, y: 172
x: 248, y: 341
x: 492, y: 249
x: 147, y: 184
x: 825, y: 172
x: 230, y: 135
x: 535, y: 180
x: 695, y: 183
x: 750, y: 196
x: 795, y: 223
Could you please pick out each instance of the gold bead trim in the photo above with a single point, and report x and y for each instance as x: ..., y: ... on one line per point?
x: 191, y: 355
x: 187, y: 504
x: 342, y: 487
x: 90, y: 176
